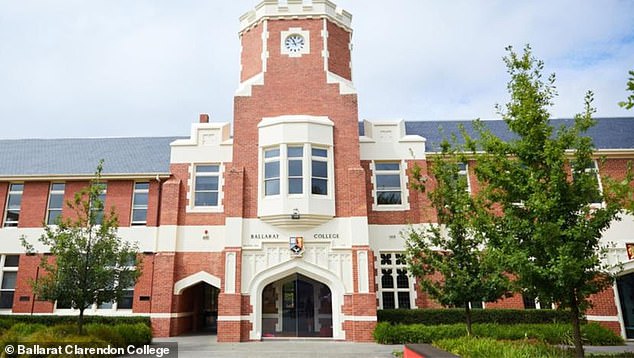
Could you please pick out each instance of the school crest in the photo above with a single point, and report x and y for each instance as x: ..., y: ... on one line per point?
x: 296, y: 244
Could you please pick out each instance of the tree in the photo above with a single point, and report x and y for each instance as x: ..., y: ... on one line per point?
x: 551, y: 213
x: 629, y: 103
x: 469, y: 271
x: 89, y: 264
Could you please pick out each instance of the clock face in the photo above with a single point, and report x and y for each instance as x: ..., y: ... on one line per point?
x: 294, y: 43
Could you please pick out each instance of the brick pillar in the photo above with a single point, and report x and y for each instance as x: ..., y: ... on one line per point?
x: 361, y: 305
x: 24, y: 299
x: 163, y: 293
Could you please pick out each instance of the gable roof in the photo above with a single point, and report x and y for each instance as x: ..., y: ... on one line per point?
x: 608, y: 133
x: 80, y: 156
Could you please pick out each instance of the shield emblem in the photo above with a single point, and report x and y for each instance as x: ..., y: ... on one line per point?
x: 296, y: 244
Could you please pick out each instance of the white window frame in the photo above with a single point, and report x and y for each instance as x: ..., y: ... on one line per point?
x: 52, y: 192
x: 136, y: 191
x: 465, y: 172
x: 4, y: 269
x: 288, y: 169
x: 326, y: 159
x: 394, y: 267
x: 404, y: 205
x: 6, y: 207
x: 191, y: 193
x: 280, y: 159
x: 595, y: 170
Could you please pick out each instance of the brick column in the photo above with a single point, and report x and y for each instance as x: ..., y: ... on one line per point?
x: 163, y: 294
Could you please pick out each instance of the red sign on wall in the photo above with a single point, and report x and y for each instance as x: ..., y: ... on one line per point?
x: 630, y: 250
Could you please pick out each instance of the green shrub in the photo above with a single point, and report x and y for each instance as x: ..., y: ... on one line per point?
x: 135, y: 334
x: 51, y: 320
x: 467, y: 347
x: 457, y: 315
x: 555, y: 333
x: 106, y: 333
x: 26, y: 329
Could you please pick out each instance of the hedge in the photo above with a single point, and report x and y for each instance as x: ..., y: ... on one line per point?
x: 553, y: 333
x: 6, y: 321
x: 456, y: 315
x: 467, y: 347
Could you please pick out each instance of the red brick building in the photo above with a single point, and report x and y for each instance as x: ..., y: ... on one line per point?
x: 286, y: 226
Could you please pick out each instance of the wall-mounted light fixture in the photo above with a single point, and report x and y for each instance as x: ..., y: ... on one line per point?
x: 295, y: 215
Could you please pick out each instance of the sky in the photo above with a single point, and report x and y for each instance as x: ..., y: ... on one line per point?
x: 116, y: 68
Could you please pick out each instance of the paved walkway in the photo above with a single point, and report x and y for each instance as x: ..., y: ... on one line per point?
x: 206, y: 346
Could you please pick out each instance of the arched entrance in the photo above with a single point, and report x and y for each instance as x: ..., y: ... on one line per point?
x: 296, y: 306
x: 197, y: 302
x: 308, y: 274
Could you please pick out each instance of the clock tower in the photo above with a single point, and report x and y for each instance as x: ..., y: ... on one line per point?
x: 296, y: 178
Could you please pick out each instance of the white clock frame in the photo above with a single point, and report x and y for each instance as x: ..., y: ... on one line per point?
x: 295, y: 31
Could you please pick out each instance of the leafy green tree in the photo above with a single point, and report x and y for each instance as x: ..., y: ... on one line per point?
x: 550, y: 212
x: 89, y: 264
x: 451, y: 259
x: 629, y: 103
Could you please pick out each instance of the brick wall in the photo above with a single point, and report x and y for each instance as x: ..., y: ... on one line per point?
x: 28, y: 271
x: 119, y: 198
x: 250, y: 58
x: 339, y: 51
x: 420, y: 206
x: 34, y: 201
x: 181, y: 173
x: 4, y: 190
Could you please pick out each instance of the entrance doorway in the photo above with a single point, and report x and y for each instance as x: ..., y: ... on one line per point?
x: 625, y: 285
x: 204, y: 304
x: 296, y: 306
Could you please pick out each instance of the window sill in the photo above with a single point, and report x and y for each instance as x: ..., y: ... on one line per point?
x: 205, y: 210
x: 402, y: 207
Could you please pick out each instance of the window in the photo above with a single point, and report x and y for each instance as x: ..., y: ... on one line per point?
x: 534, y: 303
x: 139, y: 203
x: 9, y: 274
x: 272, y: 171
x: 206, y: 186
x: 55, y: 202
x: 127, y: 295
x: 463, y: 175
x: 319, y: 166
x: 295, y: 170
x: 387, y: 179
x: 395, y: 282
x: 97, y: 209
x: 14, y: 201
x: 597, y: 197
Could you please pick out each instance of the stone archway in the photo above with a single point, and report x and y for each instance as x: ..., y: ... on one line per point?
x: 197, y: 303
x: 281, y: 271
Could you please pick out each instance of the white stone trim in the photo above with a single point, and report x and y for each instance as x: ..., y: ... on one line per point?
x: 602, y: 318
x: 244, y: 89
x: 360, y: 318
x: 362, y: 269
x: 230, y: 272
x: 345, y: 86
x: 171, y: 315
x: 233, y: 318
x: 191, y: 280
x: 288, y: 268
x: 272, y: 9
x: 265, y: 50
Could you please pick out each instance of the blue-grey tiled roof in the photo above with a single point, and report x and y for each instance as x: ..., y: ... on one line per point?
x: 79, y: 156
x: 609, y: 133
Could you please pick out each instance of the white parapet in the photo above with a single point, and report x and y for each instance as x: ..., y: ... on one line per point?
x: 295, y: 9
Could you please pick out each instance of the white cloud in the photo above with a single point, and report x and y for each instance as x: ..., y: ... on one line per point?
x: 132, y: 68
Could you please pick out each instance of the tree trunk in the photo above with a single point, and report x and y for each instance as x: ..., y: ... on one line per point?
x: 468, y: 317
x: 80, y: 321
x: 576, y: 328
